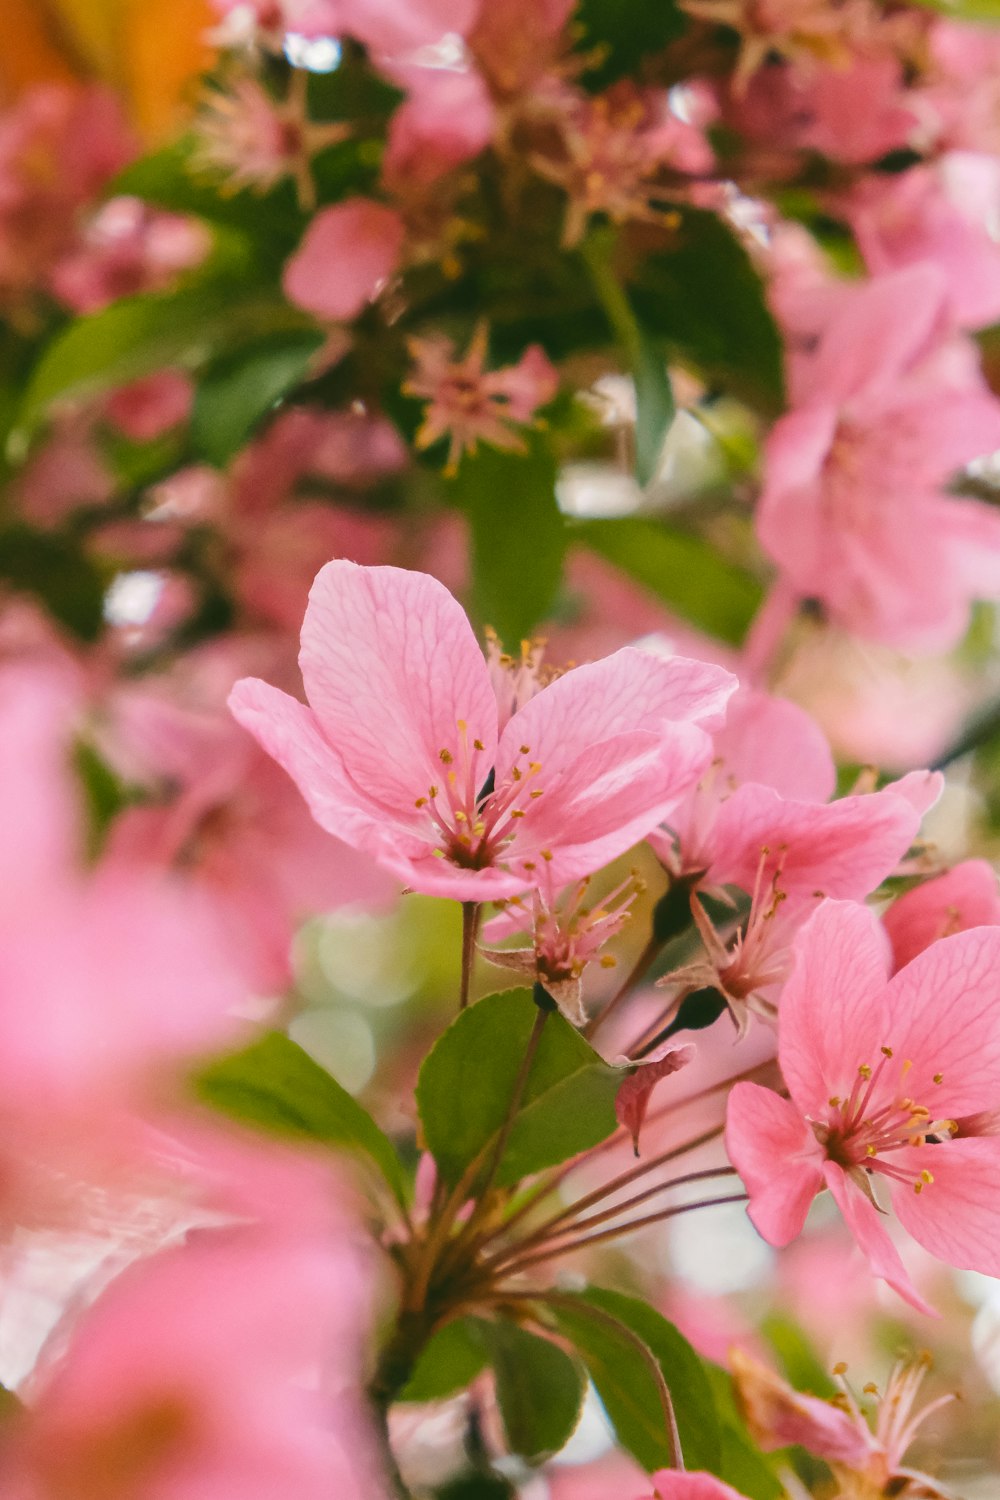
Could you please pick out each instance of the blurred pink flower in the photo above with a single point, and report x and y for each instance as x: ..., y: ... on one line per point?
x: 891, y: 1081
x: 446, y: 119
x: 966, y: 896
x: 127, y: 247
x: 684, y: 1484
x: 400, y: 755
x: 148, y: 408
x: 348, y: 252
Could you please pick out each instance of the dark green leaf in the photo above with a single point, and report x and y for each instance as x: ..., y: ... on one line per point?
x: 518, y: 535
x: 625, y: 33
x: 452, y: 1358
x: 684, y: 572
x: 626, y: 1386
x: 242, y: 387
x: 274, y: 1085
x: 58, y: 574
x: 800, y: 1363
x: 539, y: 1389
x: 704, y: 297
x: 138, y: 335
x: 105, y: 794
x: 467, y: 1082
x: 745, y: 1468
x: 986, y: 12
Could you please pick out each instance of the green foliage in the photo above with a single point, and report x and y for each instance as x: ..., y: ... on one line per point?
x: 467, y: 1082
x: 684, y: 572
x: 450, y: 1359
x: 275, y: 1086
x: 539, y: 1388
x: 140, y: 335
x: 623, y: 34
x: 57, y: 573
x: 626, y: 1385
x: 240, y: 388
x: 518, y: 535
x: 704, y: 297
x: 984, y: 12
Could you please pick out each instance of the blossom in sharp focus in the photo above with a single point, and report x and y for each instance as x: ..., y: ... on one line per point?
x: 468, y: 403
x: 399, y: 752
x: 565, y: 939
x: 893, y: 1086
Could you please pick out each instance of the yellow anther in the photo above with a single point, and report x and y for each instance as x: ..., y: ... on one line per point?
x: 840, y: 1368
x: 864, y: 1071
x: 432, y: 792
x: 916, y: 1140
x: 517, y: 812
x: 420, y: 802
x: 525, y: 749
x: 478, y: 745
x: 546, y: 854
x: 460, y: 816
x: 462, y: 725
x: 871, y: 1151
x: 907, y: 1065
x: 927, y: 1177
x: 438, y: 853
x: 445, y: 757
x: 479, y: 828
x: 918, y: 1187
x: 516, y: 774
x: 835, y: 1101
x: 608, y: 961
x: 939, y: 1078
x: 535, y: 766
x: 536, y: 794
x: 886, y: 1051
x: 871, y: 1389
x: 529, y: 864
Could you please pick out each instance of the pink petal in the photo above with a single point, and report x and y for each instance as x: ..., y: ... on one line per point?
x: 779, y: 1415
x: 391, y: 667
x: 942, y: 1014
x: 957, y: 1216
x: 868, y: 1229
x: 775, y: 743
x: 778, y: 1157
x: 967, y: 896
x: 632, y: 1099
x: 833, y: 1010
x: 687, y: 1484
x: 626, y: 691
x: 348, y: 251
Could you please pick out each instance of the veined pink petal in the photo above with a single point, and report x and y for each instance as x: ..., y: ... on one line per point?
x: 688, y: 1484
x: 967, y: 896
x: 958, y: 1039
x: 392, y: 669
x: 957, y: 1215
x: 831, y: 1012
x: 778, y: 1415
x: 775, y: 743
x: 778, y: 1158
x: 609, y: 798
x: 289, y: 731
x: 626, y: 691
x: 868, y: 1229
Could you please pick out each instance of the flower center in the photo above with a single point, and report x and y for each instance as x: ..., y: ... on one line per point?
x: 474, y: 827
x: 878, y: 1119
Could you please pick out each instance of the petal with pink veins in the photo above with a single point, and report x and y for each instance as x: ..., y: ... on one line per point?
x: 778, y: 1157
x: 868, y: 1228
x: 957, y: 1215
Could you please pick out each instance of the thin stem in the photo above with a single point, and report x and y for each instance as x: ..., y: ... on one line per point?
x: 631, y: 979
x: 516, y: 1267
x: 545, y: 1231
x: 471, y: 912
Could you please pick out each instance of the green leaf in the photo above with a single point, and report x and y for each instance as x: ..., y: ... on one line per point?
x: 451, y: 1358
x: 626, y: 1386
x: 141, y: 334
x: 236, y: 391
x: 518, y: 535
x: 625, y: 33
x: 276, y: 1086
x: 743, y: 1465
x: 654, y: 397
x: 684, y: 572
x: 984, y: 11
x: 467, y: 1082
x: 540, y: 1389
x: 705, y: 298
x: 58, y: 574
x: 800, y: 1363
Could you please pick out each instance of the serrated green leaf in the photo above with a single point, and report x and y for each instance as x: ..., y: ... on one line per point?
x: 518, y: 535
x: 451, y: 1358
x: 703, y: 295
x: 274, y: 1085
x: 236, y: 391
x: 467, y: 1082
x: 684, y: 572
x: 626, y: 1386
x: 540, y: 1389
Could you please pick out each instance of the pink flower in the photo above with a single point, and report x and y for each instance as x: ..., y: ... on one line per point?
x: 148, y: 408
x: 447, y: 118
x: 852, y: 114
x: 400, y: 755
x: 470, y: 404
x: 891, y: 1082
x: 967, y: 896
x: 126, y: 248
x: 683, y: 1484
x: 348, y: 251
x: 885, y: 412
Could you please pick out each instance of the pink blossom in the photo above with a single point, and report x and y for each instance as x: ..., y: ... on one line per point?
x: 891, y: 1082
x: 148, y: 408
x: 940, y: 215
x: 128, y: 247
x: 399, y: 753
x: 446, y: 119
x: 516, y: 41
x: 684, y: 1484
x: 966, y: 896
x: 348, y: 252
x: 65, y: 472
x: 468, y: 403
x: 885, y: 411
